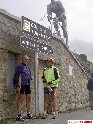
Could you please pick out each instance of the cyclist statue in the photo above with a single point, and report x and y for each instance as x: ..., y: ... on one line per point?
x: 57, y: 8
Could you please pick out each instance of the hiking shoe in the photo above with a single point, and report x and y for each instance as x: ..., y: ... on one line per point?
x: 44, y: 116
x: 29, y: 116
x: 54, y: 116
x: 19, y: 118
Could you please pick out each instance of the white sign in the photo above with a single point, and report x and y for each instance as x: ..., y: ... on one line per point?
x: 70, y: 70
x: 26, y: 25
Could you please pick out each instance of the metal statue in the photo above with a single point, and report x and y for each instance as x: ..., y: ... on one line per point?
x: 57, y: 8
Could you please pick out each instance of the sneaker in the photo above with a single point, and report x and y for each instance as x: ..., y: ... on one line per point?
x: 44, y: 116
x: 54, y: 116
x: 29, y: 116
x: 19, y: 118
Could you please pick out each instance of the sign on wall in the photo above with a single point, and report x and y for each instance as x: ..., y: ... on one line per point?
x: 33, y: 36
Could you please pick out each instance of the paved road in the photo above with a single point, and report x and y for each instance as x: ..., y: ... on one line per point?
x: 85, y: 114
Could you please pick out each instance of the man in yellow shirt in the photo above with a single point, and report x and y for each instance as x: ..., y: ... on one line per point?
x: 51, y: 80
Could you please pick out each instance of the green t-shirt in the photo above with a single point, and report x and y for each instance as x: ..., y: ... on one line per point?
x: 51, y: 76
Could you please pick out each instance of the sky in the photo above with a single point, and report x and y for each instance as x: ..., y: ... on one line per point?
x: 79, y: 16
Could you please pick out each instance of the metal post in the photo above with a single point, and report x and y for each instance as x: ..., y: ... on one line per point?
x: 36, y: 83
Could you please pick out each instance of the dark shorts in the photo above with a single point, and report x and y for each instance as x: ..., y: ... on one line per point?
x: 25, y: 89
x: 46, y: 90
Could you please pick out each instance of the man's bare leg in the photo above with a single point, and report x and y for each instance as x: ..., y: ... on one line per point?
x: 45, y: 105
x: 28, y: 105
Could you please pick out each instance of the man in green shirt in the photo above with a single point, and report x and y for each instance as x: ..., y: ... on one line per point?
x: 51, y: 80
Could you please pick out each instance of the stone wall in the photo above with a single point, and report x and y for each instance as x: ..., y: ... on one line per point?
x: 72, y: 92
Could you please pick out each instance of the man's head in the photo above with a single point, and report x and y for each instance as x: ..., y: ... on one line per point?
x: 52, y: 1
x: 25, y: 59
x: 49, y: 62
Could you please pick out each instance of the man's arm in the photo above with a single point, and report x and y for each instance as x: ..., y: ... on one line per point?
x: 57, y: 76
x: 16, y: 76
x: 30, y: 74
x: 62, y: 10
x: 43, y: 77
x: 60, y: 6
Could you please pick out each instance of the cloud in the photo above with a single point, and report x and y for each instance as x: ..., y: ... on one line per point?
x: 79, y: 19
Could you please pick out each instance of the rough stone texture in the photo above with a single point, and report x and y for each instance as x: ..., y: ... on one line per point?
x: 72, y: 92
